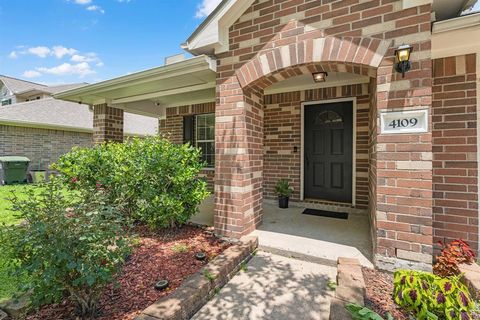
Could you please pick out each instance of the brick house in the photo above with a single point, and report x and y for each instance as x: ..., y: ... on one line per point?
x: 35, y: 125
x: 308, y: 90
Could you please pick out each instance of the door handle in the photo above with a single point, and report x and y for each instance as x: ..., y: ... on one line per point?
x: 307, y: 159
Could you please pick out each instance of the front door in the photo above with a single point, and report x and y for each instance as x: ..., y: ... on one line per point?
x: 328, y: 151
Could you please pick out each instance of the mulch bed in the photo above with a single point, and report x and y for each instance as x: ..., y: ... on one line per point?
x: 379, y: 294
x: 159, y: 256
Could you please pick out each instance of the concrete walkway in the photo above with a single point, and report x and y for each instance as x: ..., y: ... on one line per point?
x: 274, y: 287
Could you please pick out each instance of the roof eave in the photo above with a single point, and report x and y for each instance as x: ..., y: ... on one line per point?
x: 198, y: 61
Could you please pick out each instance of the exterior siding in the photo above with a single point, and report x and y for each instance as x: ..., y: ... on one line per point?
x: 455, y: 174
x: 41, y: 146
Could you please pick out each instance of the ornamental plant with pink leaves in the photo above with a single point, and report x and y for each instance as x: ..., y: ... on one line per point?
x: 430, y: 297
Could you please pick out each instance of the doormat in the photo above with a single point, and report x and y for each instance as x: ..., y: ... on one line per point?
x: 328, y: 214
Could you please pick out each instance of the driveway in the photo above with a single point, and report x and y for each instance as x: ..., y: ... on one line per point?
x: 274, y: 287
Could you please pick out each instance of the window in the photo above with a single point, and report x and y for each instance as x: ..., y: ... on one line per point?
x: 326, y: 117
x: 6, y: 102
x: 205, y: 137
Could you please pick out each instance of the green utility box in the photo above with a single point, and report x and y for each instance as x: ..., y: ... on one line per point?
x: 13, y: 169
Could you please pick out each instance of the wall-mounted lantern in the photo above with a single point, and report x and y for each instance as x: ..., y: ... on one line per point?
x: 320, y: 76
x: 402, y: 56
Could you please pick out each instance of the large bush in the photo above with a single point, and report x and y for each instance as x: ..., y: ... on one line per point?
x: 431, y: 297
x: 154, y: 180
x: 71, y: 243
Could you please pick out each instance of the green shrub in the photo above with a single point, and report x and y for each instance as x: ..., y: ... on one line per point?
x: 431, y: 297
x: 68, y: 244
x: 155, y: 180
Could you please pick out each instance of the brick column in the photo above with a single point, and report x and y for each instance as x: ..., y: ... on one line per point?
x: 404, y: 160
x: 239, y: 159
x: 107, y: 124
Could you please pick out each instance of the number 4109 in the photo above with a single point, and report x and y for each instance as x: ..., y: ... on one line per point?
x: 403, y: 123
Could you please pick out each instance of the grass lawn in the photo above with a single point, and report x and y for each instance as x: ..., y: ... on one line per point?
x: 8, y: 285
x: 7, y: 216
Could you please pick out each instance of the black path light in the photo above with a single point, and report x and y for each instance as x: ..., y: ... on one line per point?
x: 402, y: 57
x: 200, y: 256
x: 161, y: 285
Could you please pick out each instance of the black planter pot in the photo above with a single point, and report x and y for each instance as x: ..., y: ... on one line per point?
x: 282, y: 202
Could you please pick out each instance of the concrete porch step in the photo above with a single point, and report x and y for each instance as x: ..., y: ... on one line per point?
x: 307, y: 249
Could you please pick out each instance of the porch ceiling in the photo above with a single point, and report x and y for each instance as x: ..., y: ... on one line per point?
x: 149, y: 92
x: 305, y: 82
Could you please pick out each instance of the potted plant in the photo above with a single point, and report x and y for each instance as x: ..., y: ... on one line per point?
x: 284, y: 191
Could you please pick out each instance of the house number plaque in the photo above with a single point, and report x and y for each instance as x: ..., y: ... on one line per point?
x: 415, y: 121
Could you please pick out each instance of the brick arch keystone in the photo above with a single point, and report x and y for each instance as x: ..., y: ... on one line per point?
x: 353, y: 52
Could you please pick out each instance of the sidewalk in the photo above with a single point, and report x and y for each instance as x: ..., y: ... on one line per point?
x: 274, y: 287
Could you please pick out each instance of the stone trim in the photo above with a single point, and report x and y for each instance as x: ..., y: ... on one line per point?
x: 351, y: 288
x: 348, y: 51
x: 195, y: 291
x: 471, y: 278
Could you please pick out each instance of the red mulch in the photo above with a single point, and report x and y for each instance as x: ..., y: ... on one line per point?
x: 379, y: 294
x: 152, y: 260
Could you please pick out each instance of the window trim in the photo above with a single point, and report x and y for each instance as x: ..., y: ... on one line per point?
x: 195, y: 126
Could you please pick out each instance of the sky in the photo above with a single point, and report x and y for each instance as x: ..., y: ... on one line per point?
x: 69, y: 41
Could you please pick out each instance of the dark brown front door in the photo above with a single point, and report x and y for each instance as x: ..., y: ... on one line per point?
x: 328, y: 151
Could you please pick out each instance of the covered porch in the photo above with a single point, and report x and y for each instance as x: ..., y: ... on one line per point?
x: 317, y: 239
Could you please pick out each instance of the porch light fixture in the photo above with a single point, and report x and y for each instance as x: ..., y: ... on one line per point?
x: 402, y: 56
x: 320, y: 76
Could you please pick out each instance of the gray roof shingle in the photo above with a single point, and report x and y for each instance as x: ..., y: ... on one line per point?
x: 58, y: 113
x: 17, y: 85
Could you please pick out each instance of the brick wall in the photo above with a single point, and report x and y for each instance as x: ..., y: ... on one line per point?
x: 455, y: 175
x: 269, y: 40
x: 172, y: 127
x: 282, y: 155
x: 41, y: 146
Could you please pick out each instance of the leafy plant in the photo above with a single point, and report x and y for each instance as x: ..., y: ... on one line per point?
x: 151, y: 180
x: 283, y: 188
x: 207, y: 274
x: 180, y: 248
x: 453, y: 254
x: 359, y: 312
x: 69, y: 244
x: 432, y: 297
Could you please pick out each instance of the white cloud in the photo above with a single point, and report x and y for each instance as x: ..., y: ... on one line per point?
x: 95, y: 8
x: 206, y: 7
x: 41, y: 52
x: 83, y: 2
x: 13, y: 55
x: 81, y: 69
x: 60, y: 51
x: 89, y: 57
x: 31, y: 74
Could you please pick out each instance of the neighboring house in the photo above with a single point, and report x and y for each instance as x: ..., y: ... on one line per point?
x: 35, y: 125
x: 402, y: 149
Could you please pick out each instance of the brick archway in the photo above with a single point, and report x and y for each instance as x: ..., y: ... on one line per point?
x: 360, y: 55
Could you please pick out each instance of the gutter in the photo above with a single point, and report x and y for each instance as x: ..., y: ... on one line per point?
x: 462, y: 22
